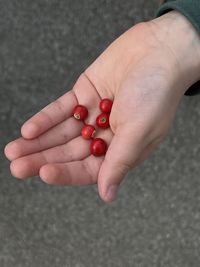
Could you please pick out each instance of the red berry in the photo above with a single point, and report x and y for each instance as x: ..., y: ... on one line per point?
x: 98, y: 147
x: 105, y: 105
x: 80, y: 112
x: 102, y: 120
x: 88, y: 131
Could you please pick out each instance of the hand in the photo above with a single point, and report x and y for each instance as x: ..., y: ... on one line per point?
x: 141, y: 72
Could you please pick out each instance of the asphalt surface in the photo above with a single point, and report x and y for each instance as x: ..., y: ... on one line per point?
x: 44, y: 46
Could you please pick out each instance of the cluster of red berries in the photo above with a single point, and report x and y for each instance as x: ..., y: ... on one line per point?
x: 98, y: 146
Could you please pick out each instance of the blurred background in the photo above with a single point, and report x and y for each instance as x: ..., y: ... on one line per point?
x: 155, y: 221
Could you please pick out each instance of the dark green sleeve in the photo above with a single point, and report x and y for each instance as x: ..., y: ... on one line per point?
x: 191, y: 10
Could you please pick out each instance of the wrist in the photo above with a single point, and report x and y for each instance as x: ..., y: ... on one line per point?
x: 182, y: 42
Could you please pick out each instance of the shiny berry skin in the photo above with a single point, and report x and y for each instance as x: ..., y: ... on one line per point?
x: 80, y: 112
x: 88, y: 131
x: 102, y: 120
x: 98, y: 147
x: 105, y: 105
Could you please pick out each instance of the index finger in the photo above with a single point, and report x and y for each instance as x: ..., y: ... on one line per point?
x: 54, y: 113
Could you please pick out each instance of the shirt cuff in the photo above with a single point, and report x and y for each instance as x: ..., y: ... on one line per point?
x: 191, y: 10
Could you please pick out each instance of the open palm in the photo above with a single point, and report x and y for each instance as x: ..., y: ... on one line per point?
x: 138, y: 83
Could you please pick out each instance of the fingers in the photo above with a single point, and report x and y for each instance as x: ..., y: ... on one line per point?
x: 75, y: 150
x: 52, y: 114
x: 30, y: 165
x: 83, y: 93
x: 60, y: 134
x: 83, y: 172
x: 48, y: 124
x: 124, y: 150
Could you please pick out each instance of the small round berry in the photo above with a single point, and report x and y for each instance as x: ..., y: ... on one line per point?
x: 98, y: 147
x: 105, y: 105
x: 80, y: 112
x: 102, y: 120
x: 88, y: 131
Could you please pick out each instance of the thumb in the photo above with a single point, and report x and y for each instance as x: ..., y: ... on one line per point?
x: 122, y: 154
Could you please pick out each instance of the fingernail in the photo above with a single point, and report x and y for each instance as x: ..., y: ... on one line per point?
x: 112, y: 192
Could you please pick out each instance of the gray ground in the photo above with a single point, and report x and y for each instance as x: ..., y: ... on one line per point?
x: 44, y: 45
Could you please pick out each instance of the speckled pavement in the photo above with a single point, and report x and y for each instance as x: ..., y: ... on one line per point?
x: 44, y: 46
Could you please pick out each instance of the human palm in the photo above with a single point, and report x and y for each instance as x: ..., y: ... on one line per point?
x: 133, y: 74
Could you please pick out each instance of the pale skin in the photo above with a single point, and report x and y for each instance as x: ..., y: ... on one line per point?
x: 145, y: 72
